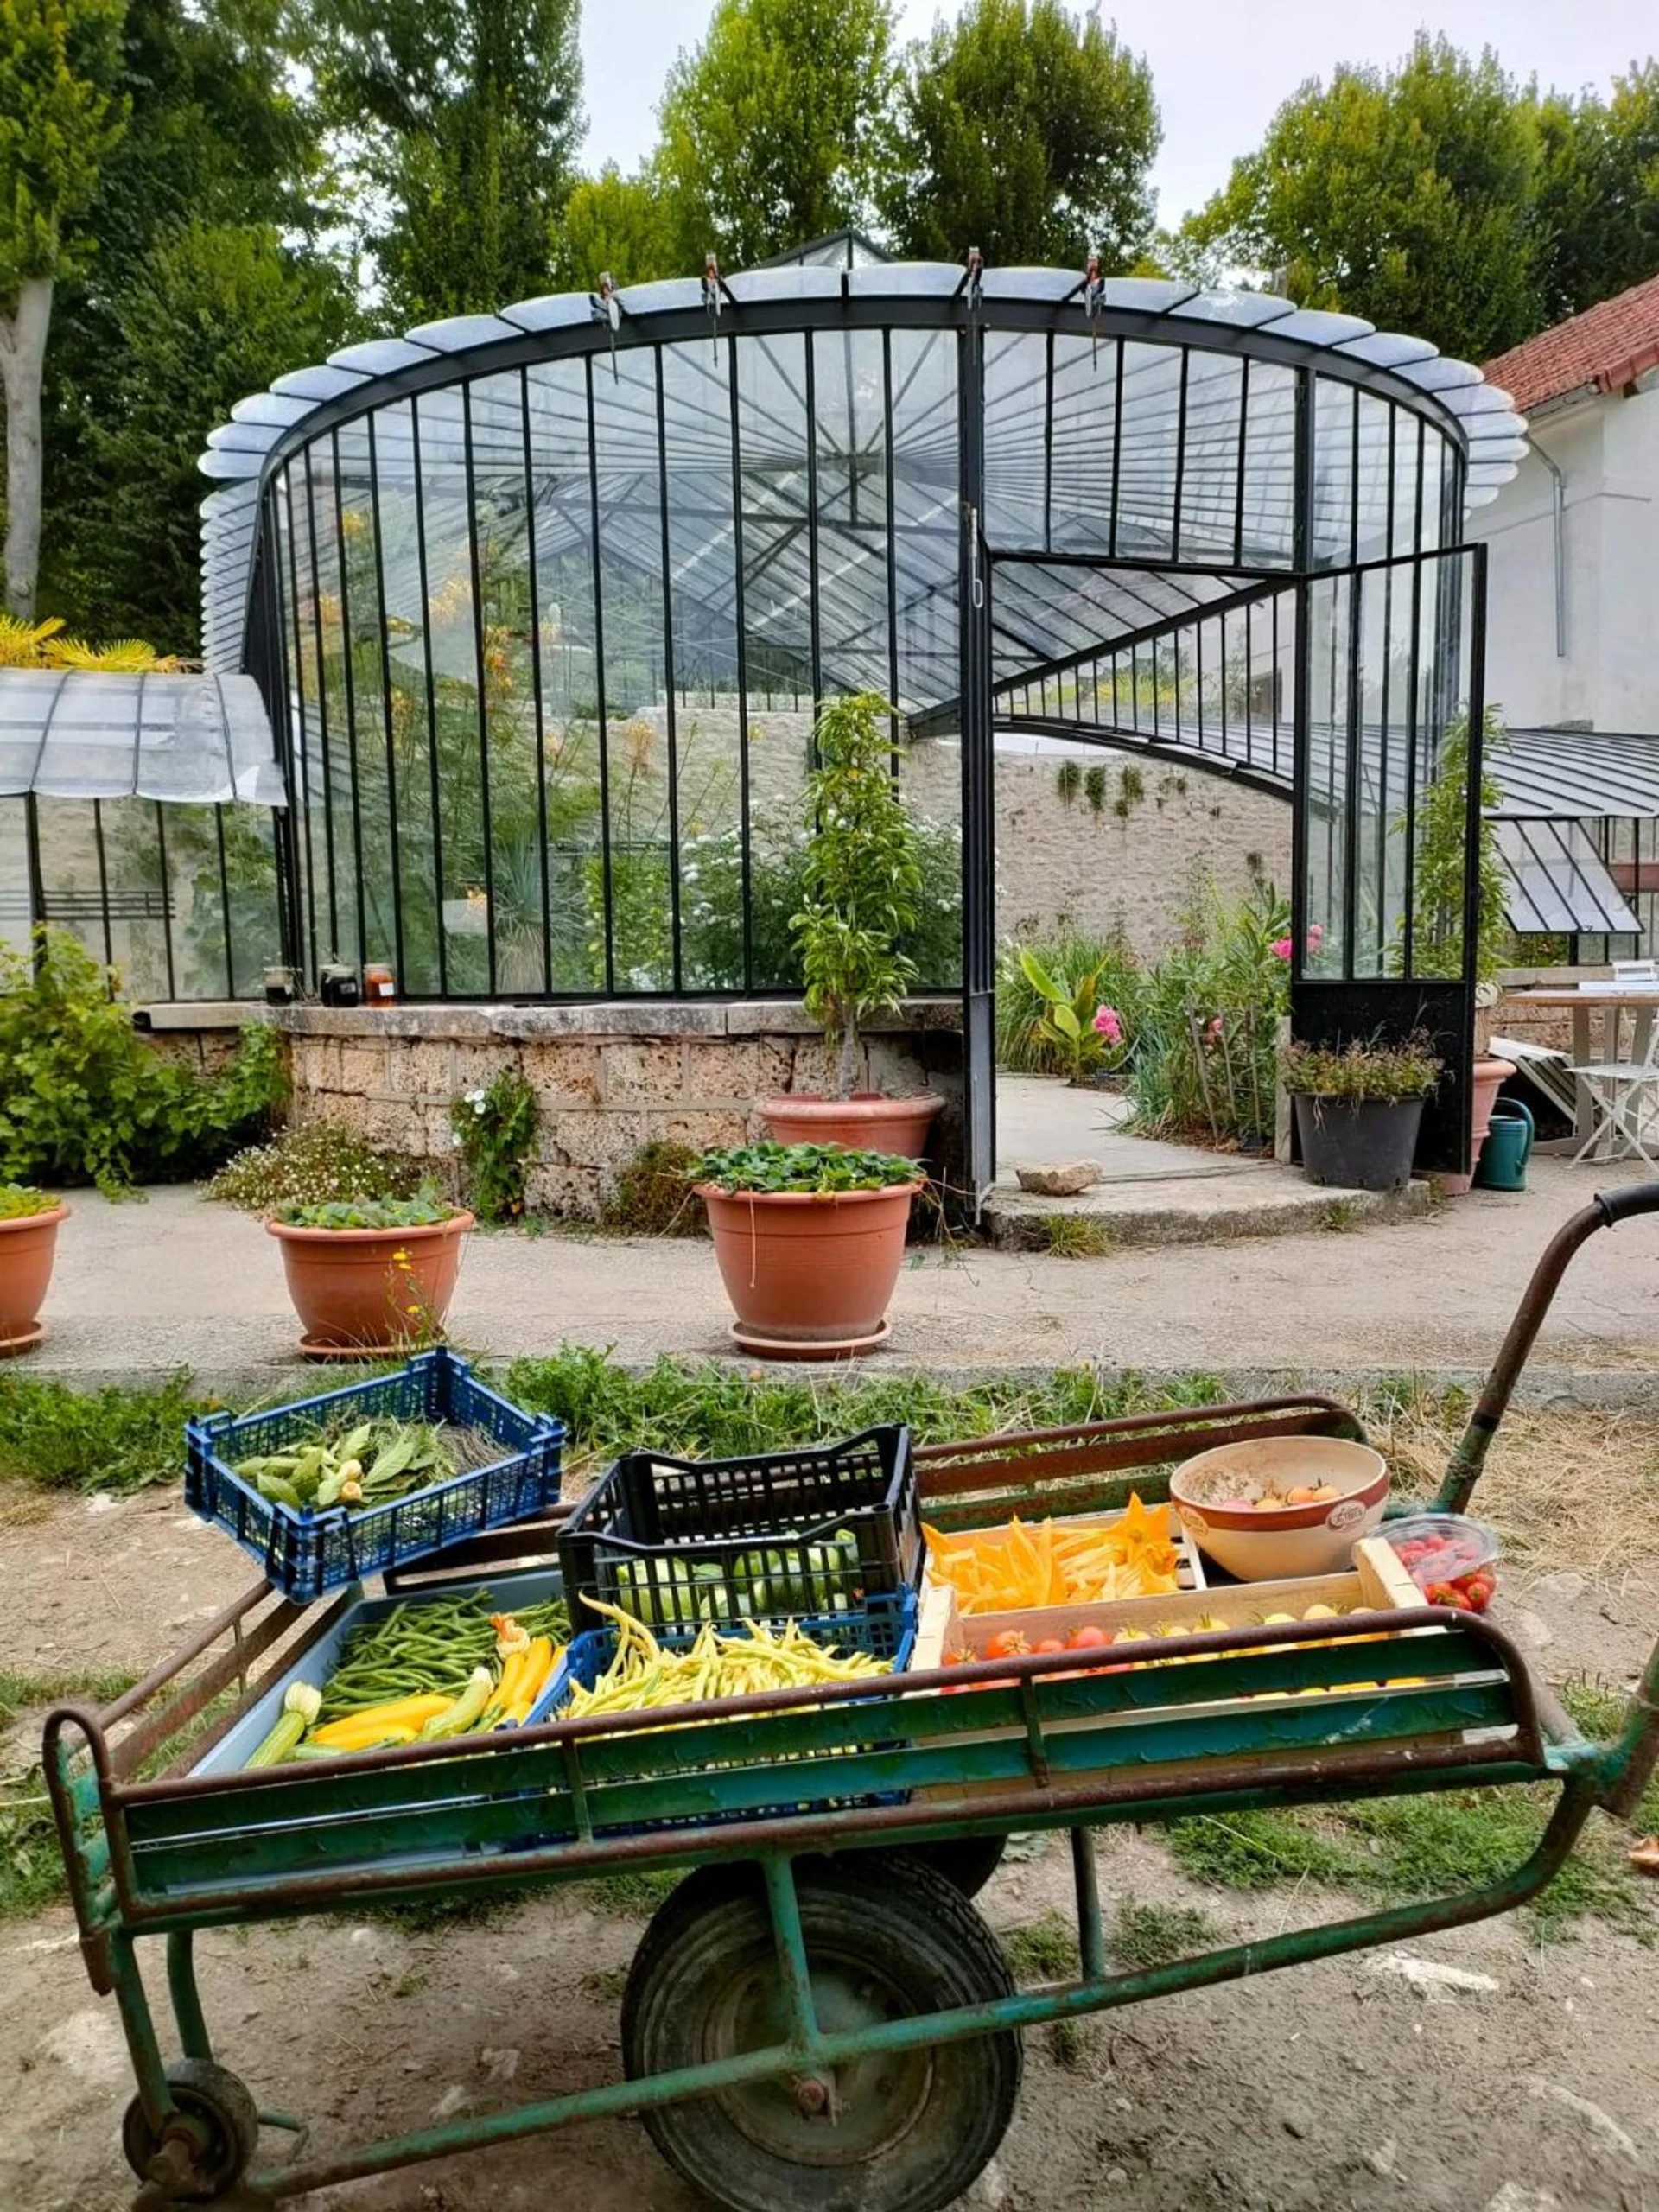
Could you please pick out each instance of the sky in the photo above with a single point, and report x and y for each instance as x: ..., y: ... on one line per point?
x: 1220, y: 68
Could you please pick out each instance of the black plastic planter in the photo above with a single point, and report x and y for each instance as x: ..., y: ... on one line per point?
x: 1358, y: 1144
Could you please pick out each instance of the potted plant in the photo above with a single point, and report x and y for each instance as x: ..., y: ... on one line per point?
x: 370, y: 1277
x: 1437, y: 928
x: 28, y: 1243
x: 810, y: 1239
x: 863, y: 886
x: 1357, y: 1109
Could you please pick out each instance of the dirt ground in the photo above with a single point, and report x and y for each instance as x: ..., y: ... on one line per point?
x: 1349, y: 2086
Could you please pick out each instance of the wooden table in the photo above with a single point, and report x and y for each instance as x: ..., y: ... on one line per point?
x: 1594, y: 1044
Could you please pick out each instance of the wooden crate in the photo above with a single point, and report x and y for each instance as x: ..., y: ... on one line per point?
x: 1189, y: 1562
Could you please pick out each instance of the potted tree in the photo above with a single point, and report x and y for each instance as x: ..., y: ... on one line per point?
x: 810, y: 1239
x: 370, y: 1277
x: 862, y: 891
x: 28, y: 1243
x: 1437, y: 928
x: 1358, y: 1108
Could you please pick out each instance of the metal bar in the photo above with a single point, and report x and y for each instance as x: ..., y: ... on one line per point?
x: 676, y: 960
x: 789, y: 1939
x: 1354, y: 771
x: 1048, y: 442
x: 1117, y: 453
x: 32, y: 842
x: 814, y: 608
x: 351, y: 712
x: 167, y: 899
x: 32, y: 861
x: 431, y: 700
x: 1091, y: 1933
x: 393, y: 839
x: 1180, y: 459
x: 891, y: 552
x: 185, y: 1996
x: 475, y: 571
x: 1301, y: 733
x: 740, y: 620
x: 224, y: 902
x: 1243, y: 435
x: 223, y: 1623
x: 322, y: 711
x: 533, y: 576
x: 608, y: 903
x: 148, y: 2072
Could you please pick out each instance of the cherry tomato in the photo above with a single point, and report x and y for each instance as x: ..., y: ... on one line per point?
x: 1006, y: 1644
x: 1049, y: 1644
x: 1087, y: 1638
x: 1447, y: 1593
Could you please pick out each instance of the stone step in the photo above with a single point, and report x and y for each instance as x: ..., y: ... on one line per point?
x: 1201, y: 1209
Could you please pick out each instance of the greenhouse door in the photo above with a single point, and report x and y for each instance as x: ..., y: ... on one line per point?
x: 1386, y: 900
x: 978, y: 791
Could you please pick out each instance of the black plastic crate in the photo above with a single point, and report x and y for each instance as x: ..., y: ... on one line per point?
x: 679, y: 1541
x: 305, y: 1553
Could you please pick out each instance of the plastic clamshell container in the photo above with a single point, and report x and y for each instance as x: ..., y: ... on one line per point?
x: 1477, y: 1546
x: 303, y: 1553
x: 528, y: 1586
x: 679, y: 1541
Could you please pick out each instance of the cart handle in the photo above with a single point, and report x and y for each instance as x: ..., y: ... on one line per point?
x: 1605, y: 1210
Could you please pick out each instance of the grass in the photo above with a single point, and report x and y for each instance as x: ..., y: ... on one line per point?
x: 1041, y: 1951
x: 1395, y: 1849
x: 1146, y: 1935
x: 632, y: 1895
x: 1075, y: 1235
x: 108, y: 1440
x: 31, y: 1870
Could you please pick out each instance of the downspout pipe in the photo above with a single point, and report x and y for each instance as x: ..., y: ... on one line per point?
x: 1558, y: 528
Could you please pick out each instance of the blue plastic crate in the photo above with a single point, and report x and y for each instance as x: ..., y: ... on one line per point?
x: 304, y: 1552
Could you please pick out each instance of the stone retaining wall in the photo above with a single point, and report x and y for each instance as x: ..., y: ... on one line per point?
x: 609, y: 1078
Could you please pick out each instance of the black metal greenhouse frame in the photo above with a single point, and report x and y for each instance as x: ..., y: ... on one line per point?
x: 1322, y: 760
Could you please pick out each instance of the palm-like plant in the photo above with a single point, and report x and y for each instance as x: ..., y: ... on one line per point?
x: 40, y: 645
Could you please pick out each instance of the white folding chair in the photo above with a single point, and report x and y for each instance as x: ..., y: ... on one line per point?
x: 1621, y: 1100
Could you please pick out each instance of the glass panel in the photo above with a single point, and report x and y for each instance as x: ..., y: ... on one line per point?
x: 17, y: 913
x: 412, y: 770
x: 1333, y: 473
x: 1146, y: 491
x: 136, y: 879
x: 1375, y: 454
x: 1210, y: 456
x: 311, y: 766
x: 336, y: 710
x: 567, y: 631
x: 852, y: 492
x: 1329, y: 602
x: 1270, y: 465
x: 1441, y: 785
x: 1078, y: 500
x: 450, y: 613
x: 376, y: 856
x: 1407, y: 452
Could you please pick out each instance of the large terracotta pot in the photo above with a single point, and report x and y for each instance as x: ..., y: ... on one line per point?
x: 356, y: 1297
x: 1490, y: 1077
x: 28, y: 1249
x: 810, y: 1277
x: 866, y: 1121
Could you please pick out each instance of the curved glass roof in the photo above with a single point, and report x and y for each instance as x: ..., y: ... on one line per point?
x: 1150, y: 422
x: 85, y: 733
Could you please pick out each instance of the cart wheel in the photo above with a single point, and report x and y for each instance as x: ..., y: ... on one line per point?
x: 903, y: 2131
x: 967, y: 1862
x: 223, y: 2124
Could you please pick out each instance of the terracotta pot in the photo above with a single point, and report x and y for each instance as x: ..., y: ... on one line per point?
x: 1490, y: 1077
x: 354, y: 1293
x: 811, y: 1277
x: 866, y: 1121
x: 28, y: 1249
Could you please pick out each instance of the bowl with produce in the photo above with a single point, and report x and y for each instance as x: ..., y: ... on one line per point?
x: 326, y: 1489
x: 1273, y: 1508
x: 1452, y: 1559
x: 370, y: 1277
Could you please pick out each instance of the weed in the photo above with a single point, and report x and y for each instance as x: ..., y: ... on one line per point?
x: 653, y: 1195
x: 633, y: 1896
x: 605, y: 1985
x: 1603, y: 1712
x: 31, y: 1870
x: 1145, y: 1936
x: 1068, y: 780
x: 1068, y: 2043
x: 1041, y: 1951
x: 1093, y: 784
x: 1075, y: 1235
x: 1338, y: 1216
x: 108, y: 1440
x: 1256, y: 1851
x: 22, y: 1693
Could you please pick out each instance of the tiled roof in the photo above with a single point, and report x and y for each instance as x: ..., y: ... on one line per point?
x: 1605, y: 347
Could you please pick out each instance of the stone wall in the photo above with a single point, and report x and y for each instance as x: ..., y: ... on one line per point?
x: 608, y: 1078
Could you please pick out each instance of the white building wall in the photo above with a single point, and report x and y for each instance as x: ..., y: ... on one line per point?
x: 1608, y: 450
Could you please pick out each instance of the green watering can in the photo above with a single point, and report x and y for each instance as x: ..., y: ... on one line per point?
x: 1508, y: 1145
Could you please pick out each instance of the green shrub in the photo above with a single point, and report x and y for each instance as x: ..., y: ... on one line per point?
x: 367, y: 1213
x: 108, y: 1440
x: 653, y: 1195
x: 495, y: 1131
x: 311, y: 1166
x: 83, y: 1099
x: 1207, y: 1036
x: 1023, y: 1045
x: 22, y: 1201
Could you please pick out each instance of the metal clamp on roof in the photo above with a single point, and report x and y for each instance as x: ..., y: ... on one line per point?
x: 608, y: 309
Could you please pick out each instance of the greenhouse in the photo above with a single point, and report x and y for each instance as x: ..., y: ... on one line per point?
x: 541, y: 604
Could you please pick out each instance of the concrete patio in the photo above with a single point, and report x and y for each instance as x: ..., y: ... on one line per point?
x: 144, y: 1289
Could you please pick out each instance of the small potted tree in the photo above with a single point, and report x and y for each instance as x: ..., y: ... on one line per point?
x: 28, y: 1243
x: 810, y: 1239
x: 862, y: 892
x: 370, y: 1277
x: 1358, y: 1108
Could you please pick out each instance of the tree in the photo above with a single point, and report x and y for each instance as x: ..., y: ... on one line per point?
x: 778, y: 128
x: 59, y: 118
x: 1029, y: 132
x: 1598, y: 199
x: 1408, y: 197
x: 628, y: 224
x: 214, y: 312
x: 463, y: 117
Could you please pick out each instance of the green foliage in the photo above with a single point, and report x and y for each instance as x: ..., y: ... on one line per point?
x: 1442, y: 196
x: 622, y: 223
x: 862, y: 881
x: 1041, y: 1951
x: 322, y: 1161
x: 1076, y: 1024
x: 777, y: 128
x: 22, y: 1201
x: 1022, y: 1045
x: 1068, y: 780
x: 652, y: 1196
x: 60, y: 114
x: 366, y: 1213
x: 495, y: 1129
x: 1207, y: 1019
x: 83, y: 1099
x: 1029, y: 133
x: 110, y: 1439
x: 1442, y: 841
x: 817, y: 1168
x: 1388, y: 1074
x: 1093, y: 784
x: 1147, y: 1935
x: 465, y: 115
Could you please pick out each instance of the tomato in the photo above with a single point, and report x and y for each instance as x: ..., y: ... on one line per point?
x: 1447, y: 1593
x: 1006, y: 1644
x: 1087, y: 1638
x: 1049, y: 1644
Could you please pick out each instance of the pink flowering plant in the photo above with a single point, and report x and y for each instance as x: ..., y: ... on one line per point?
x: 1205, y: 1051
x: 1085, y: 1034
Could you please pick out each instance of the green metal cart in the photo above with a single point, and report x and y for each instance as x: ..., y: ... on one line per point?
x: 817, y: 2018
